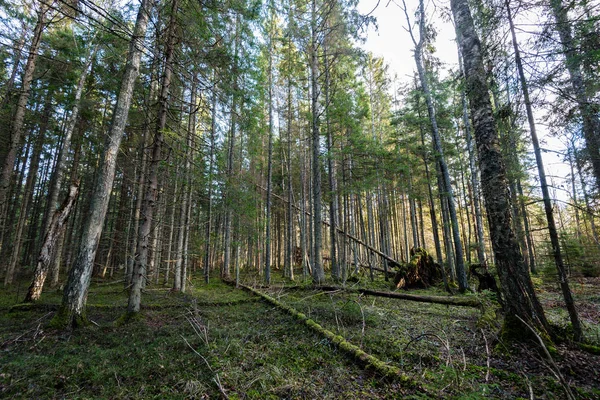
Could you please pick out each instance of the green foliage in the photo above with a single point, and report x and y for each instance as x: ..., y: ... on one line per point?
x: 581, y: 256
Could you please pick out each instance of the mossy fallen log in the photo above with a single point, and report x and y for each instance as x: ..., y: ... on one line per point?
x: 354, y: 351
x: 447, y: 300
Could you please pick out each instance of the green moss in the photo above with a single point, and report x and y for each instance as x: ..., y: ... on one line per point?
x: 129, y: 317
x: 66, y: 319
x: 589, y: 348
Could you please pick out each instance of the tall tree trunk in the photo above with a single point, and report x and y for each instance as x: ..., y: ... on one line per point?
x: 19, y: 117
x: 437, y: 144
x: 562, y: 275
x: 333, y: 203
x: 177, y: 275
x: 588, y: 207
x: 183, y: 217
x: 72, y: 311
x: 317, y: 259
x: 27, y: 195
x: 208, y: 231
x: 588, y: 109
x: 150, y: 198
x: 519, y: 295
x: 269, y: 156
x: 289, y: 260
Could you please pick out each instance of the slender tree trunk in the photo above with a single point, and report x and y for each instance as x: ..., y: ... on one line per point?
x: 211, y: 154
x: 177, y: 275
x: 528, y: 238
x: 437, y: 144
x: 141, y: 261
x: 269, y: 158
x: 333, y: 203
x: 554, y: 240
x: 588, y: 207
x: 317, y: 259
x: 474, y: 179
x: 19, y: 117
x: 290, y: 227
x: 588, y: 108
x: 53, y: 234
x: 72, y: 312
x: 28, y: 194
x: 434, y: 223
x: 183, y: 217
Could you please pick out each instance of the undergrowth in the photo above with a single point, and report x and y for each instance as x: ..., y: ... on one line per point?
x: 216, y: 341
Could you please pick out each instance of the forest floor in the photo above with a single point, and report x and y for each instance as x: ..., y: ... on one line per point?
x: 217, y: 341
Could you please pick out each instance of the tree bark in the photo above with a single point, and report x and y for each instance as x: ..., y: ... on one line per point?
x: 54, y: 232
x: 72, y: 311
x: 554, y: 240
x: 140, y: 265
x: 519, y: 295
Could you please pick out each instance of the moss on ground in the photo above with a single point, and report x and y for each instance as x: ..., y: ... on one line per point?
x: 216, y: 341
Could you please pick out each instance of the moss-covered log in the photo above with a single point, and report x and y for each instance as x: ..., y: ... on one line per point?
x: 354, y: 351
x: 447, y: 300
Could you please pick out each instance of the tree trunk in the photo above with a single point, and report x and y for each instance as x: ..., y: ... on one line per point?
x: 72, y: 311
x: 562, y: 275
x: 269, y: 157
x: 53, y: 234
x: 208, y: 231
x: 519, y: 295
x: 150, y: 198
x: 439, y: 152
x: 317, y: 259
x: 19, y: 117
x: 183, y: 217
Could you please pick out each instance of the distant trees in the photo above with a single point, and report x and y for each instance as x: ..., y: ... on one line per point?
x: 258, y: 139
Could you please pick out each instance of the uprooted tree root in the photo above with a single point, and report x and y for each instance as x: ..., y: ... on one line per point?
x: 420, y: 271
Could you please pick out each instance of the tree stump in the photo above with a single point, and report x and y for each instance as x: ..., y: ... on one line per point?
x: 421, y: 271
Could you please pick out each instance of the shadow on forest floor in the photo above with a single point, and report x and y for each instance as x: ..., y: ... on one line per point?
x: 218, y: 341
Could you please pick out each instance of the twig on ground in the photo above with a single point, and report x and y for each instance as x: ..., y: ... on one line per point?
x: 552, y: 367
x: 487, y: 352
x: 217, y: 381
x: 196, y: 352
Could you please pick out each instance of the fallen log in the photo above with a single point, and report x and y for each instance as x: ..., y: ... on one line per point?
x: 447, y: 300
x: 393, y: 262
x: 352, y: 350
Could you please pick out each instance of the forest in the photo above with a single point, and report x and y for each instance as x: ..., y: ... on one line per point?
x: 236, y: 199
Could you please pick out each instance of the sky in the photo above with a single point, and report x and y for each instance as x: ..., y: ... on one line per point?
x: 392, y: 42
